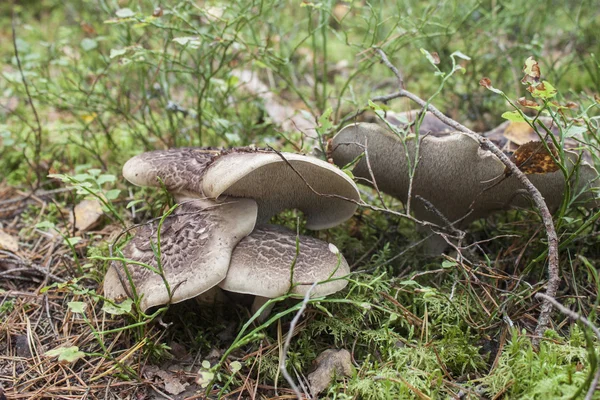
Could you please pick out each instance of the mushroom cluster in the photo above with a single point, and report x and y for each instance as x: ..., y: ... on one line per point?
x: 455, y: 180
x: 219, y: 235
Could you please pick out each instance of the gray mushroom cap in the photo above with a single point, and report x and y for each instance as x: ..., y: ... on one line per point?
x: 452, y: 173
x: 276, y: 181
x: 196, y: 244
x: 261, y: 265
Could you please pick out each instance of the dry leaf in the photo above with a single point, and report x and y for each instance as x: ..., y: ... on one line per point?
x: 171, y: 382
x: 8, y: 242
x: 329, y: 364
x: 533, y: 158
x: 486, y: 82
x: 87, y: 214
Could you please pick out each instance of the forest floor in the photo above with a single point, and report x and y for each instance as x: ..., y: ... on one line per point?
x: 87, y: 85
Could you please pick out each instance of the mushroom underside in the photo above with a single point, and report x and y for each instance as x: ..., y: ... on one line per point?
x: 283, y: 181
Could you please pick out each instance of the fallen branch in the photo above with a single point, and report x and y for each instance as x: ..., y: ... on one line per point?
x: 536, y: 196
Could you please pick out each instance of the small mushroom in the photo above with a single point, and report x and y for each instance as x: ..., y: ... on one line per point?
x: 263, y: 262
x: 277, y: 181
x: 453, y: 174
x: 196, y: 243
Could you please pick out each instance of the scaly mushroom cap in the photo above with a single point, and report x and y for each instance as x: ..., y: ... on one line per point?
x: 452, y: 173
x: 196, y: 245
x: 178, y: 169
x: 261, y: 264
x: 275, y: 183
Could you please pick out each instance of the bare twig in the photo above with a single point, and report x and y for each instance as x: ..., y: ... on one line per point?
x: 575, y: 316
x: 486, y: 144
x: 288, y: 340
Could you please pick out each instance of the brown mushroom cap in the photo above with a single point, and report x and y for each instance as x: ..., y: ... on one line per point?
x: 452, y: 173
x: 197, y: 241
x: 261, y: 265
x: 276, y: 181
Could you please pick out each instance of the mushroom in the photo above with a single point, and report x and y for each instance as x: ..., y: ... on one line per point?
x: 266, y: 264
x: 196, y: 243
x: 453, y: 174
x: 277, y: 181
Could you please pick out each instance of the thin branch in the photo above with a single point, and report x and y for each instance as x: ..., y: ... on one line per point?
x: 486, y: 144
x: 575, y: 316
x: 288, y: 341
x: 38, y: 134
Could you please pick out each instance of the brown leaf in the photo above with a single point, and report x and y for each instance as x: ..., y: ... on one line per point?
x: 528, y: 103
x: 533, y: 158
x: 572, y: 105
x: 8, y: 242
x: 436, y: 57
x: 486, y: 82
x: 87, y: 214
x: 158, y: 12
x: 329, y: 364
x: 532, y: 71
x: 520, y: 133
x: 88, y: 29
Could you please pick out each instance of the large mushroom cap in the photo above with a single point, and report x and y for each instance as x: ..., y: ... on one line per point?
x: 262, y: 262
x: 196, y: 245
x: 277, y: 181
x: 453, y: 173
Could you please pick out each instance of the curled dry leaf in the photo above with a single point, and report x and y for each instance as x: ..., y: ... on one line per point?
x: 532, y: 72
x: 486, y: 83
x: 8, y: 242
x: 534, y: 158
x: 329, y: 364
x: 87, y: 214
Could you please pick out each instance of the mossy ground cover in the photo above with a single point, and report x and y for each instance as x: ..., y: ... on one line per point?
x: 107, y: 80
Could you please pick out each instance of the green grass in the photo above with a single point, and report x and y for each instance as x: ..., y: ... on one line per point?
x: 107, y: 88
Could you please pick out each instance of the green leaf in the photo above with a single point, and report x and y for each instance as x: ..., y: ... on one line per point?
x: 125, y: 13
x: 191, y: 41
x: 72, y: 241
x: 112, y: 194
x: 88, y: 44
x: 117, y: 52
x: 513, y: 116
x: 45, y: 225
x: 66, y: 354
x: 449, y: 264
x: 102, y: 179
x: 543, y: 91
x: 575, y: 130
x: 77, y: 306
x: 133, y: 203
x: 118, y: 309
x: 235, y: 366
x: 325, y: 120
x: 460, y: 55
